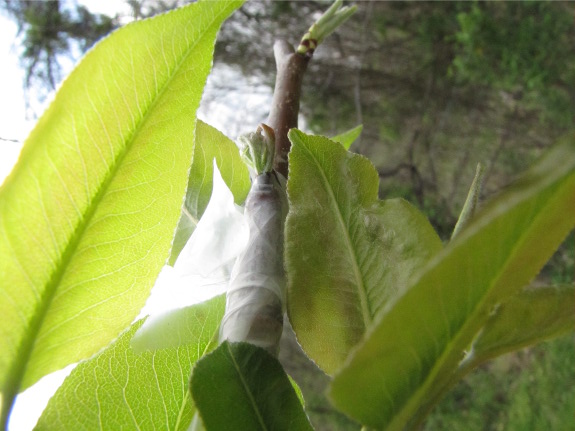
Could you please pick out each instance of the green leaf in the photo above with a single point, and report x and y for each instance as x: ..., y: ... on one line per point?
x: 471, y: 203
x: 242, y: 387
x: 404, y: 366
x: 347, y: 253
x: 119, y: 389
x: 297, y: 391
x: 88, y: 214
x: 347, y: 138
x: 181, y: 327
x: 210, y: 144
x: 534, y: 315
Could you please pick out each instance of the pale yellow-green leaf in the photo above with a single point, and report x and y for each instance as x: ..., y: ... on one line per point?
x: 119, y: 389
x: 88, y: 214
x: 181, y: 327
x: 348, y: 137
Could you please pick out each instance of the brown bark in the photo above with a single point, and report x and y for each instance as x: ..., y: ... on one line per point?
x: 283, y: 116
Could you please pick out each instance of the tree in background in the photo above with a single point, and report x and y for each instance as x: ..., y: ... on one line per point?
x: 49, y: 31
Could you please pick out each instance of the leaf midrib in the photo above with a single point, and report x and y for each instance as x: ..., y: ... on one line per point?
x: 246, y: 387
x: 366, y: 315
x: 21, y: 359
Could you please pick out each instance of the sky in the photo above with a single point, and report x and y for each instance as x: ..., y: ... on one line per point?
x: 15, y: 126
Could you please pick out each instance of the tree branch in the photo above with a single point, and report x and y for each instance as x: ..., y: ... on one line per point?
x: 291, y: 66
x: 283, y: 116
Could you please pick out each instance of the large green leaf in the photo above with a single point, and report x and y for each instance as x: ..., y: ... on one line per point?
x: 88, y: 214
x: 210, y: 144
x: 419, y: 340
x: 347, y: 253
x: 181, y: 327
x: 535, y: 314
x: 242, y: 387
x: 120, y: 389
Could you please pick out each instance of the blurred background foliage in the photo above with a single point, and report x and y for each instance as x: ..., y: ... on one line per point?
x: 438, y: 87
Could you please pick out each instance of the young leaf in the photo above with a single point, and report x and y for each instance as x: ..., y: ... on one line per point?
x: 88, y: 214
x: 210, y: 144
x: 534, y: 315
x: 297, y: 391
x: 470, y: 206
x: 326, y: 24
x: 242, y: 387
x: 180, y: 327
x: 347, y: 138
x: 394, y: 377
x: 347, y: 254
x: 120, y: 389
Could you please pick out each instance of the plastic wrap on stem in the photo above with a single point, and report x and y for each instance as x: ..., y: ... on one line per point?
x: 256, y: 295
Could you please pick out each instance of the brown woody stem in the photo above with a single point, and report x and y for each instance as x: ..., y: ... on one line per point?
x: 283, y: 116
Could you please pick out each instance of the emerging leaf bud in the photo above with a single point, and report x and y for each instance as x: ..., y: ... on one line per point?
x: 258, y: 150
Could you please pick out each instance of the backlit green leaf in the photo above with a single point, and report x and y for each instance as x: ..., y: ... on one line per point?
x: 348, y: 137
x: 210, y: 144
x: 181, y: 327
x: 398, y: 373
x: 242, y: 387
x: 120, y: 389
x: 88, y: 214
x: 347, y: 253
